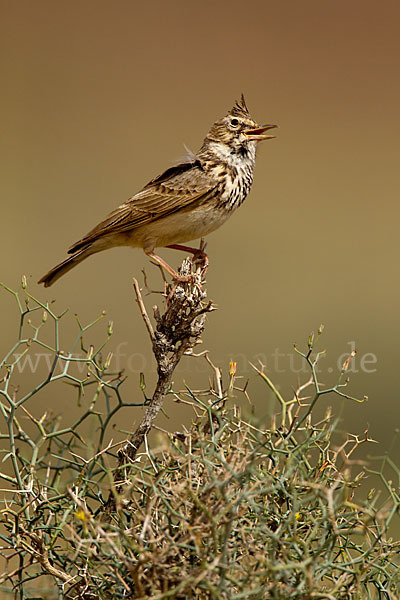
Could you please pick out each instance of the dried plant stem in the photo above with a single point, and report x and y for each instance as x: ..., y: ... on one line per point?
x: 177, y: 331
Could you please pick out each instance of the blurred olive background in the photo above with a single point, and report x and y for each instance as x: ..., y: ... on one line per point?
x: 99, y: 97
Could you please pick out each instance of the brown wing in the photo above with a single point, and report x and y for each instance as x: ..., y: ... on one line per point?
x: 171, y: 191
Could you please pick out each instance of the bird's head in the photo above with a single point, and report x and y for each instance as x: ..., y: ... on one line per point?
x: 237, y: 132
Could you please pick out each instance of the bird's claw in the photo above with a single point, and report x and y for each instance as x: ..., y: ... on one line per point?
x: 184, y: 278
x: 202, y: 258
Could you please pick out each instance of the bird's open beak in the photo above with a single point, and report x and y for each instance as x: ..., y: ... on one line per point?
x: 257, y: 134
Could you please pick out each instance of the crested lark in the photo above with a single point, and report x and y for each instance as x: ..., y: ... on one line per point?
x: 184, y: 203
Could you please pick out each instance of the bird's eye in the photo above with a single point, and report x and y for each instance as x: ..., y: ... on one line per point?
x: 234, y: 122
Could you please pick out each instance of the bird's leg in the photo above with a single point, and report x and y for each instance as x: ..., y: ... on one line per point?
x: 170, y: 270
x: 198, y: 253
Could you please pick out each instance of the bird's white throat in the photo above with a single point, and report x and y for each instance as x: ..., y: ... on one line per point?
x: 238, y: 160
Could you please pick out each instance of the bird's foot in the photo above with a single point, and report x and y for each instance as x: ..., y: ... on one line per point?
x: 190, y: 278
x: 177, y: 278
x: 198, y: 254
x: 202, y: 258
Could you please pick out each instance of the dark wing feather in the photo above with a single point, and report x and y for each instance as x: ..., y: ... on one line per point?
x: 171, y: 191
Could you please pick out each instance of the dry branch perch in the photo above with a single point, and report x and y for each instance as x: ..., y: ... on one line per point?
x: 177, y: 330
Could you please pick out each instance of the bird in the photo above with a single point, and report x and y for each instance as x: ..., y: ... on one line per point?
x: 186, y: 202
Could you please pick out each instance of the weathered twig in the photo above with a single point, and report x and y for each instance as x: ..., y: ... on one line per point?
x: 178, y: 329
x: 143, y: 309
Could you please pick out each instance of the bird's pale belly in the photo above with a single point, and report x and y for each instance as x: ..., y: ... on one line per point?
x: 177, y: 228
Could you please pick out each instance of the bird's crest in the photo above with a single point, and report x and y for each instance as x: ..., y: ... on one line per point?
x: 240, y: 108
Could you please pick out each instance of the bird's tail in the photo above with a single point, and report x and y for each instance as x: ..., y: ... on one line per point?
x: 67, y: 264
